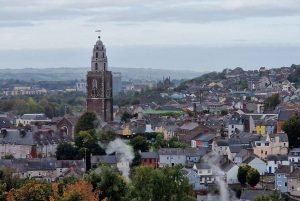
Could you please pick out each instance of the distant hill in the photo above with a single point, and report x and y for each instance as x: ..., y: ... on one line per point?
x: 59, y: 74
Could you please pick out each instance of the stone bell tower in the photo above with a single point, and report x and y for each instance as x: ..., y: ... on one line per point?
x: 99, y: 84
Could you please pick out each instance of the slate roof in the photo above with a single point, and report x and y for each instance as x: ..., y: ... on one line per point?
x: 248, y: 160
x: 227, y: 167
x: 18, y: 165
x: 41, y: 164
x: 242, y: 153
x: 72, y: 119
x: 200, y: 166
x: 191, y: 152
x: 69, y: 163
x: 149, y: 155
x: 295, y: 173
x: 35, y: 116
x: 277, y: 158
x: 171, y: 151
x: 189, y: 126
x: 285, y: 169
x: 13, y: 136
x: 285, y: 115
x: 250, y: 194
x: 172, y: 128
x: 4, y: 122
x: 222, y: 143
x: 235, y: 149
x: 236, y: 119
x: 111, y: 159
x: 204, y: 137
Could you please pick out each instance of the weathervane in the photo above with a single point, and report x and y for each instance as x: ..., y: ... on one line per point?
x: 99, y: 31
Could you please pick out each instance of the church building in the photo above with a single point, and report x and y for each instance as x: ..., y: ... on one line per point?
x: 99, y: 97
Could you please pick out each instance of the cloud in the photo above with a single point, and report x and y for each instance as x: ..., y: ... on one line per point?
x: 15, y: 24
x: 132, y: 11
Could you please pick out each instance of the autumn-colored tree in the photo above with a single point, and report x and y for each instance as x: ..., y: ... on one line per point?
x: 33, y: 190
x: 81, y: 190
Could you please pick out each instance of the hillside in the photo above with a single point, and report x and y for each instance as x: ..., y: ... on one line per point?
x: 59, y: 74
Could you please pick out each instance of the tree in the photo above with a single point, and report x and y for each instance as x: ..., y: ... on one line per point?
x: 272, y: 102
x: 33, y: 190
x: 31, y: 105
x: 106, y: 136
x: 20, y: 106
x: 66, y: 151
x: 275, y: 196
x: 252, y: 177
x: 159, y: 141
x: 137, y: 159
x: 86, y: 121
x: 224, y: 112
x: 8, y: 156
x: 292, y: 128
x: 112, y: 185
x: 165, y: 185
x: 242, y: 173
x: 10, y: 180
x: 244, y: 84
x: 174, y: 143
x: 140, y: 143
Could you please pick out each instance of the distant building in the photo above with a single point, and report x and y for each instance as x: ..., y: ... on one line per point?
x: 166, y: 83
x: 81, y: 86
x: 117, y: 82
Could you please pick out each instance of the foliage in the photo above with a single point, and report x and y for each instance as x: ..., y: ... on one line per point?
x: 86, y: 121
x: 275, y: 196
x: 137, y: 159
x: 33, y: 190
x: 224, y: 112
x: 165, y: 185
x: 243, y: 84
x: 66, y: 151
x: 292, y: 128
x: 159, y: 141
x: 242, y: 173
x: 140, y: 143
x: 81, y: 190
x: 272, y: 101
x: 106, y: 136
x: 174, y: 143
x: 295, y: 75
x: 3, y: 193
x: 113, y: 185
x: 10, y: 180
x: 181, y: 87
x: 172, y: 114
x: 252, y: 177
x: 8, y: 156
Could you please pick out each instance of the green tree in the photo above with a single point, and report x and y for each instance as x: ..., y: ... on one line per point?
x: 8, y: 156
x: 140, y: 143
x: 224, y: 112
x: 31, y: 105
x: 242, y: 173
x: 105, y: 137
x: 66, y: 151
x: 174, y: 143
x: 112, y: 185
x: 292, y: 129
x: 252, y: 177
x: 3, y: 193
x: 48, y: 110
x: 244, y: 84
x: 159, y: 141
x: 7, y: 105
x: 86, y: 121
x: 9, y: 179
x: 20, y: 106
x: 137, y: 159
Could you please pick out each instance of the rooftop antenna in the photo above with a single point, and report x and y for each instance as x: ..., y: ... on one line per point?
x: 98, y: 31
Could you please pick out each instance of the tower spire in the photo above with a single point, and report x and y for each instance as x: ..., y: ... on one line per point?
x: 98, y: 31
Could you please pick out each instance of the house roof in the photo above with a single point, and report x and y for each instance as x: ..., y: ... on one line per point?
x: 5, y: 122
x: 41, y: 164
x: 277, y: 158
x: 250, y: 194
x: 248, y: 160
x: 171, y: 151
x: 72, y: 119
x: 286, y: 169
x: 149, y: 155
x: 295, y: 173
x: 12, y: 136
x: 111, y: 159
x: 285, y: 115
x: 191, y: 152
x: 189, y: 126
x: 227, y: 167
x: 200, y: 166
x: 35, y: 116
x: 222, y: 143
x: 235, y: 149
x: 242, y: 153
x: 69, y: 163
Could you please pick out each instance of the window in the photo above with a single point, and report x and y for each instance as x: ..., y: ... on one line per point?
x: 94, y: 84
x: 96, y: 54
x: 21, y: 147
x: 279, y: 183
x: 279, y: 175
x: 232, y: 126
x: 258, y: 144
x: 266, y: 144
x: 285, y: 183
x: 261, y: 151
x: 199, y: 171
x: 103, y: 55
x: 167, y: 158
x: 39, y: 173
x: 104, y: 66
x: 266, y: 152
x: 208, y: 171
x: 96, y: 66
x: 60, y: 170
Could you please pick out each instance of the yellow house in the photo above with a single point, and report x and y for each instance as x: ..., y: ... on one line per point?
x: 127, y: 130
x: 260, y: 127
x: 169, y: 131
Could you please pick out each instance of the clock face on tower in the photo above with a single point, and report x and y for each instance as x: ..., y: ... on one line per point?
x: 95, y: 93
x: 108, y: 92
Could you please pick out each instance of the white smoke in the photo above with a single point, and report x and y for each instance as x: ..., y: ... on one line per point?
x: 125, y: 155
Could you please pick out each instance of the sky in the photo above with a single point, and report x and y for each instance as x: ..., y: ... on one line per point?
x: 196, y: 35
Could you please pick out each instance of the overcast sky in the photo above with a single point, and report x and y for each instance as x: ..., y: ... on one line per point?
x: 199, y: 35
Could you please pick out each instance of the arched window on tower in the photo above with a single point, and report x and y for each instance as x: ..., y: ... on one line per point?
x: 96, y: 66
x: 96, y: 54
x: 97, y: 48
x: 103, y: 55
x: 104, y: 67
x: 94, y: 84
x: 102, y: 47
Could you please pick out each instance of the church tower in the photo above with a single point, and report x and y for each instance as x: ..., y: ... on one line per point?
x: 99, y: 84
